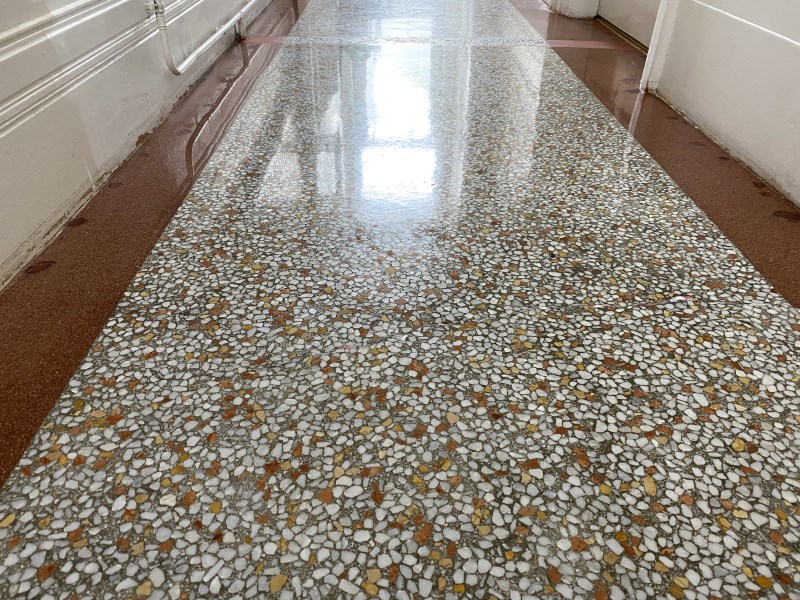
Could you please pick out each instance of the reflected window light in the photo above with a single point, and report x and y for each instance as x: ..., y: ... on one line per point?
x: 400, y: 176
x: 399, y: 88
x: 420, y: 27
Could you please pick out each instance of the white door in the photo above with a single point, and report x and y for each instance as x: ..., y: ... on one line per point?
x: 637, y: 18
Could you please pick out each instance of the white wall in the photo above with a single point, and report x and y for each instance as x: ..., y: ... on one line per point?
x: 80, y: 81
x: 581, y: 9
x: 733, y: 67
x: 635, y: 17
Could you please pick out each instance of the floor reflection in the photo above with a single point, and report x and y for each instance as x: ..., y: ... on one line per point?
x: 398, y: 130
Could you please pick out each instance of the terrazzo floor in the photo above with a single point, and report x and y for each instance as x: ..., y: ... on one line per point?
x: 430, y: 324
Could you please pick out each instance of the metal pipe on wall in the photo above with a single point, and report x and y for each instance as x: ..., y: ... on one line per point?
x: 180, y: 69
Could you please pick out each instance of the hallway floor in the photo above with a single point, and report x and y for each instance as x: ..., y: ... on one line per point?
x: 430, y: 324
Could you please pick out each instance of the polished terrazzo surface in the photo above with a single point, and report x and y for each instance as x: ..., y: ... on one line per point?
x: 430, y: 324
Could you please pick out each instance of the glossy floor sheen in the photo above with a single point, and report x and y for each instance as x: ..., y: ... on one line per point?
x: 430, y: 323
